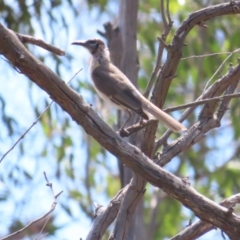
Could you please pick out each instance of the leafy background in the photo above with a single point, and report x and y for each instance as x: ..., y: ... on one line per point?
x: 75, y: 162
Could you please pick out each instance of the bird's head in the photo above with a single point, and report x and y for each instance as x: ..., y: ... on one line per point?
x: 92, y: 45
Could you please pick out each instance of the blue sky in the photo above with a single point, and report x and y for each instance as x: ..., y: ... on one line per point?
x: 15, y: 92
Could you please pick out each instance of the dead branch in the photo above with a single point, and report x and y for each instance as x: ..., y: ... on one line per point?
x: 134, y: 194
x: 167, y: 22
x: 214, y: 90
x: 39, y: 42
x: 130, y: 155
x: 200, y: 102
x: 168, y: 71
x: 105, y: 216
x: 54, y: 204
x: 33, y: 124
x: 199, y: 228
x: 134, y: 128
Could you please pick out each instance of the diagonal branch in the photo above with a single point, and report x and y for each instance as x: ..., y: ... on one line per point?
x: 39, y: 42
x: 200, y: 102
x: 105, y: 216
x: 130, y: 155
x: 33, y: 124
x: 161, y: 46
x: 214, y: 90
x: 168, y: 71
x: 54, y: 204
x: 199, y: 228
x: 174, y: 55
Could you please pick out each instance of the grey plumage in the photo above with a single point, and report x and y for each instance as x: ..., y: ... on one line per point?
x: 113, y: 86
x: 121, y: 93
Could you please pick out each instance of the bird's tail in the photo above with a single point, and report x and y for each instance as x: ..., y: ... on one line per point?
x: 156, y: 112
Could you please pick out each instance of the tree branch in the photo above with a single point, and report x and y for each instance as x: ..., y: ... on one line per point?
x: 200, y: 102
x: 215, y: 89
x: 199, y: 228
x: 174, y: 56
x: 168, y: 71
x: 105, y: 216
x: 161, y: 46
x: 54, y: 204
x: 33, y: 124
x: 131, y: 156
x: 39, y: 42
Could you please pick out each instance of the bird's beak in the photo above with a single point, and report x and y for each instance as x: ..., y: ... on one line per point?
x: 79, y: 42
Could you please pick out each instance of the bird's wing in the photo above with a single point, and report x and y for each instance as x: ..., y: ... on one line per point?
x: 113, y: 83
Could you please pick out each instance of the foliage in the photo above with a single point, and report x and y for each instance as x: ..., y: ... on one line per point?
x: 75, y: 162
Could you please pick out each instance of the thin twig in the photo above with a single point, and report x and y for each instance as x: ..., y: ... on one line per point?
x: 24, y: 134
x: 54, y: 204
x: 200, y: 102
x: 39, y: 42
x: 168, y: 13
x: 43, y: 236
x: 162, y: 8
x: 219, y: 69
x: 167, y: 27
x: 34, y: 123
x: 189, y: 110
x: 50, y: 185
x: 205, y: 55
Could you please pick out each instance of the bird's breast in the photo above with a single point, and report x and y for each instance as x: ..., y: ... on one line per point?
x: 94, y: 64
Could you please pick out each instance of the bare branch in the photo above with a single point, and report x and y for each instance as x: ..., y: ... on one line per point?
x: 130, y: 155
x: 214, y: 90
x: 39, y: 42
x: 174, y: 55
x: 105, y: 216
x: 134, y: 194
x: 134, y: 128
x: 34, y: 123
x: 54, y: 204
x: 200, y: 102
x: 206, y: 55
x: 199, y: 228
x: 167, y: 27
x: 168, y: 13
x: 220, y: 68
x: 24, y: 134
x: 225, y: 102
x: 163, y: 15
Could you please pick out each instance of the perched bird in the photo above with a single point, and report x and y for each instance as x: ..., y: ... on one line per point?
x: 114, y: 87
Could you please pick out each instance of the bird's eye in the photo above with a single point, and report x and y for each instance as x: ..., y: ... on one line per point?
x: 92, y: 42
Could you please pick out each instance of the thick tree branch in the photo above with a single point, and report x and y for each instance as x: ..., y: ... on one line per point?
x: 105, y: 216
x: 196, y: 133
x: 131, y: 156
x: 199, y: 228
x: 39, y: 42
x: 134, y: 194
x: 168, y: 71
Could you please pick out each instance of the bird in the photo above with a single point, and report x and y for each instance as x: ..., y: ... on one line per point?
x: 113, y: 86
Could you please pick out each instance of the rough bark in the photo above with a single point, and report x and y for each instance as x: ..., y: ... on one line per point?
x: 130, y: 155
